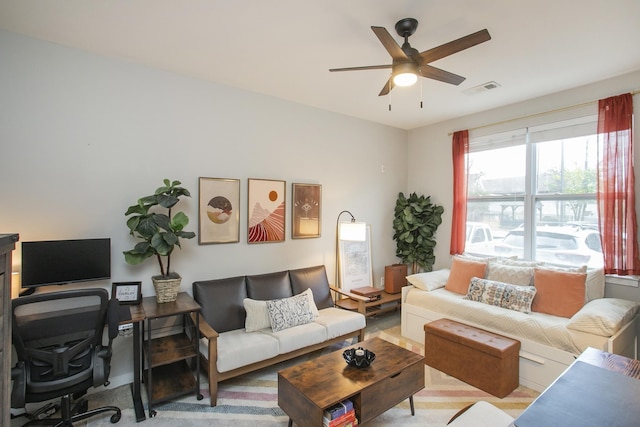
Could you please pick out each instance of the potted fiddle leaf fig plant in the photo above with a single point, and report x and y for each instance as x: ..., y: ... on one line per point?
x: 160, y: 232
x: 415, y: 222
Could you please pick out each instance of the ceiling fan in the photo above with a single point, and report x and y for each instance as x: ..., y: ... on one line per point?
x: 408, y: 63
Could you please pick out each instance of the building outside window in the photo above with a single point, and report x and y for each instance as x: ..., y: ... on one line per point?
x: 532, y: 194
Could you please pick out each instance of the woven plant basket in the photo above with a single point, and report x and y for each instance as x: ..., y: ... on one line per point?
x: 167, y: 289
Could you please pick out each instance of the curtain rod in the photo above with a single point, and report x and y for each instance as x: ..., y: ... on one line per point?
x: 557, y: 110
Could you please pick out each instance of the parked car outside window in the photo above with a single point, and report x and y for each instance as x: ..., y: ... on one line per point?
x: 562, y: 245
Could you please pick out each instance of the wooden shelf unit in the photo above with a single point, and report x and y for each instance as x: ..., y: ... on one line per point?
x: 171, y: 357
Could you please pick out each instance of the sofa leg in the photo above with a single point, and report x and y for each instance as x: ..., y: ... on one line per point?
x: 361, y: 335
x: 213, y: 392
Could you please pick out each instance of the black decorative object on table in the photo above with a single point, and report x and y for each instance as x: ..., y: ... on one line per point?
x: 359, y: 357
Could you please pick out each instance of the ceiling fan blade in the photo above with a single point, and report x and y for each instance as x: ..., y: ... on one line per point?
x: 368, y: 67
x: 434, y: 73
x: 387, y: 87
x: 389, y: 43
x: 452, y: 47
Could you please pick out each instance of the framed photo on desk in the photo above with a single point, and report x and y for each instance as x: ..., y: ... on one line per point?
x: 127, y: 292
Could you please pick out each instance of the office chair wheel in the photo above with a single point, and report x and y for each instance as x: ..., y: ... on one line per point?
x: 200, y: 396
x: 115, y: 418
x: 82, y: 406
x: 152, y: 413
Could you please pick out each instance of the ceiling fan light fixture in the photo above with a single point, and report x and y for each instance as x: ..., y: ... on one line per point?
x: 405, y: 74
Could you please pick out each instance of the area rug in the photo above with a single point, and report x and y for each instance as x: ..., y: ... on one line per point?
x: 252, y: 399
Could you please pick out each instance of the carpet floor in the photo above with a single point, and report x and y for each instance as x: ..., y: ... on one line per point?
x: 252, y: 399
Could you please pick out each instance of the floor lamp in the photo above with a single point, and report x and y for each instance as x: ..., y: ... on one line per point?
x: 347, y: 231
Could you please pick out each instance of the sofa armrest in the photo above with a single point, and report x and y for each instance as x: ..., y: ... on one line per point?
x: 206, y: 331
x: 349, y: 294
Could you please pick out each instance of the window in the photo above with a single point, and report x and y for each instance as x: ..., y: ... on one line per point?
x: 534, y: 189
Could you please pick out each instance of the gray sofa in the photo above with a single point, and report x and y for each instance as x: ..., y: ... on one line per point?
x: 236, y: 336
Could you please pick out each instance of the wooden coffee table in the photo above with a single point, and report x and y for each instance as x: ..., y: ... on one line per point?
x: 307, y: 389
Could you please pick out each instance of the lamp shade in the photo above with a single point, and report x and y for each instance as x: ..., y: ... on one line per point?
x: 353, y: 231
x: 405, y: 74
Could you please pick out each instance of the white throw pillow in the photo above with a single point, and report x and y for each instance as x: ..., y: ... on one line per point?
x: 312, y: 303
x: 514, y: 275
x: 603, y: 316
x: 431, y: 280
x: 257, y: 315
x: 595, y: 284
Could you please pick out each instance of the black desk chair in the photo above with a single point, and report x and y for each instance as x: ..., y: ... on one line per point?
x: 58, y: 341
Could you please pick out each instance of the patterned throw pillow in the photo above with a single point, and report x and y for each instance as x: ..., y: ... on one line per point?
x: 485, y: 291
x: 505, y: 295
x: 289, y: 312
x: 518, y: 298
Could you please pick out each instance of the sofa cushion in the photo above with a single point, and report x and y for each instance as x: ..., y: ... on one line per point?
x: 257, y: 315
x: 237, y: 348
x: 430, y: 280
x: 505, y: 295
x: 339, y: 322
x: 485, y: 291
x: 298, y: 337
x: 513, y: 274
x: 286, y: 313
x: 222, y: 317
x: 604, y: 316
x: 269, y: 286
x: 314, y: 278
x: 461, y: 273
x: 559, y: 293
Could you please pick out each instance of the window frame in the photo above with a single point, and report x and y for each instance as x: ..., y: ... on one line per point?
x: 582, y: 125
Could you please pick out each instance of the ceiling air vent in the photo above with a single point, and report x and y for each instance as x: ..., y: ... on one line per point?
x: 481, y: 88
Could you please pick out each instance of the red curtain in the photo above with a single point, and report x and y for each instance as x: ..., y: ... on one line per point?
x: 616, y: 194
x: 459, y: 226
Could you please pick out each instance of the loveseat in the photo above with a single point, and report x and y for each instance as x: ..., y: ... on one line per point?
x: 250, y: 322
x: 555, y: 313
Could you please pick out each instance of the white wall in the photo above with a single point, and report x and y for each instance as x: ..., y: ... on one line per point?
x: 83, y: 137
x: 430, y: 161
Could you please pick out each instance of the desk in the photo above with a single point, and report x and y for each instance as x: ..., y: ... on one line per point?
x: 136, y: 317
x: 598, y: 389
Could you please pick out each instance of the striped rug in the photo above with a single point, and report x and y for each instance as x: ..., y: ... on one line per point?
x: 252, y: 399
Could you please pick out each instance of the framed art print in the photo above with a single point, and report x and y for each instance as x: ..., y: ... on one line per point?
x: 266, y: 211
x: 219, y: 211
x: 305, y: 210
x: 356, y: 268
x: 127, y: 292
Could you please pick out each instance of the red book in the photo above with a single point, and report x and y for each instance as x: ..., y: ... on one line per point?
x: 341, y: 421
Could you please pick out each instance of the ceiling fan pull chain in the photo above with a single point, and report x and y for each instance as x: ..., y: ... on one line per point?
x: 389, y: 93
x: 421, y: 94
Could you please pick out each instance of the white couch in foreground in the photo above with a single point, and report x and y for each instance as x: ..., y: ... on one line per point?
x: 549, y: 342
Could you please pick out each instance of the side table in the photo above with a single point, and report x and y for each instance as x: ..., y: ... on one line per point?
x: 371, y: 307
x: 169, y: 355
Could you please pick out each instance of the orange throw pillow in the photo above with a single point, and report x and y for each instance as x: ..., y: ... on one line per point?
x: 461, y: 273
x: 557, y: 292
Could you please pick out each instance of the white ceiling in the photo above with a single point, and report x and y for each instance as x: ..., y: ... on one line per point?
x: 284, y: 48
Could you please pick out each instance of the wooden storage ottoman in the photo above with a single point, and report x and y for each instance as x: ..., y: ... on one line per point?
x: 483, y: 359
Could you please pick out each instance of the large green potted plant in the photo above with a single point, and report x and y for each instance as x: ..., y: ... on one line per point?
x: 415, y: 222
x: 160, y: 233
